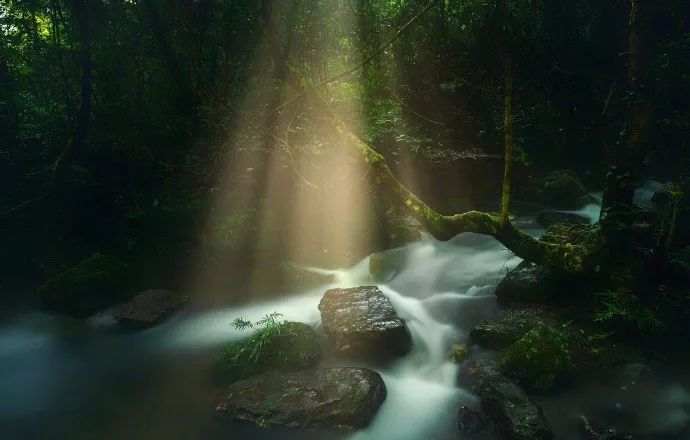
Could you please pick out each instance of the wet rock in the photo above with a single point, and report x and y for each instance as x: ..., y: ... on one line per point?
x: 528, y: 282
x: 539, y: 360
x: 342, y: 399
x: 562, y: 189
x: 294, y: 347
x: 515, y: 414
x: 510, y: 326
x: 589, y: 432
x: 474, y: 424
x: 91, y: 285
x: 149, y: 308
x: 361, y: 322
x: 547, y: 218
x: 458, y: 353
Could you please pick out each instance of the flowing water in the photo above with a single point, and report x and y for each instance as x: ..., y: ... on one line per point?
x: 62, y: 378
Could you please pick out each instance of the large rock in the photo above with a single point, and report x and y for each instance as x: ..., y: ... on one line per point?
x: 342, y: 399
x: 528, y: 282
x: 91, y: 285
x: 564, y: 190
x: 361, y: 322
x: 294, y: 347
x: 540, y: 360
x: 516, y: 416
x: 510, y: 325
x: 149, y: 308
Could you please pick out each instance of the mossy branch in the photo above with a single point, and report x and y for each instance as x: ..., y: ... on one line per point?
x: 568, y: 257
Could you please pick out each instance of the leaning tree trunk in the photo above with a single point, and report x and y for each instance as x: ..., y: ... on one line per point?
x: 82, y: 125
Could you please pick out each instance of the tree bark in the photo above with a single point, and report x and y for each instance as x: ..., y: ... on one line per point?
x: 617, y: 204
x: 508, y: 141
x: 80, y: 13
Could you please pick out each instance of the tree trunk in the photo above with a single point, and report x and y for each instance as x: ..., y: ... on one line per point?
x: 75, y: 146
x: 621, y: 179
x: 508, y: 139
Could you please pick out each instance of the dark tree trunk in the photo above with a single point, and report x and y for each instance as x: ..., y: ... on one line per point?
x: 82, y: 125
x: 617, y: 207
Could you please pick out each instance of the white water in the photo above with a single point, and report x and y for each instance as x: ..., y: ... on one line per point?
x: 55, y: 367
x: 441, y: 291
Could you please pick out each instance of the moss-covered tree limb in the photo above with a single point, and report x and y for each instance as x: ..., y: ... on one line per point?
x: 568, y: 257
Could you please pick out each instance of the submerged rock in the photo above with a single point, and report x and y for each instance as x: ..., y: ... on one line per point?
x: 149, y: 308
x: 91, y: 285
x: 295, y: 346
x: 361, y: 322
x: 342, y: 399
x: 562, y: 189
x: 547, y: 218
x: 507, y: 405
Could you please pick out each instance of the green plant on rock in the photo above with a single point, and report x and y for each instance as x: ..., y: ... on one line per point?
x: 621, y: 306
x: 273, y: 345
x: 540, y: 359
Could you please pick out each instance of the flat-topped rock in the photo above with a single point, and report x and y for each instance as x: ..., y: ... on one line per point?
x: 149, y: 308
x: 361, y: 322
x: 342, y: 399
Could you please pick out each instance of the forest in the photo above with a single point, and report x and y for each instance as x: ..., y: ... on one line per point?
x: 345, y: 219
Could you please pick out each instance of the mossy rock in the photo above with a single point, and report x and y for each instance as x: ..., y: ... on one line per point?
x: 91, y: 285
x: 563, y: 189
x: 293, y: 346
x: 540, y: 360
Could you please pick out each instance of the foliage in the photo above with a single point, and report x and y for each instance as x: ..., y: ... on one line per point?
x: 621, y: 305
x: 273, y: 345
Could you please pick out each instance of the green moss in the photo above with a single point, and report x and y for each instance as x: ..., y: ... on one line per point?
x: 540, y: 359
x: 94, y: 283
x: 292, y: 346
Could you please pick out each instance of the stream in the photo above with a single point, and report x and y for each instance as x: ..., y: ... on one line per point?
x: 65, y: 378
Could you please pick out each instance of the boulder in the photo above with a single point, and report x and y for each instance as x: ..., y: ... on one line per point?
x: 509, y: 326
x: 474, y: 424
x: 562, y: 189
x: 87, y: 287
x: 547, y: 218
x: 361, y: 322
x: 149, y: 308
x: 294, y: 347
x: 342, y: 399
x: 539, y: 360
x: 528, y: 282
x: 507, y: 405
